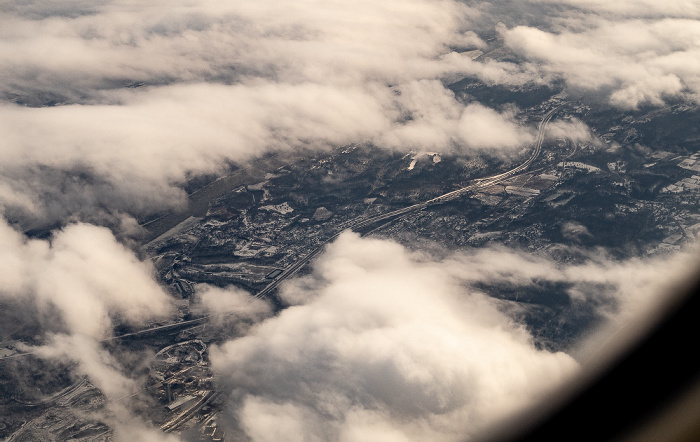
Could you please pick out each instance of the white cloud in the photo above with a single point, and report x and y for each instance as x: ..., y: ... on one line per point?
x: 230, y: 304
x: 137, y: 153
x: 390, y: 343
x: 85, y: 280
x: 84, y: 273
x: 222, y: 82
x: 633, y: 61
x: 635, y: 8
x: 312, y: 41
x: 231, y: 81
x: 403, y: 346
x: 481, y: 127
x: 380, y: 341
x: 93, y: 361
x: 438, y: 122
x: 571, y: 129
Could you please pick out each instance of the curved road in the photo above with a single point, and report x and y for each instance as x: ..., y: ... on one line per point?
x: 356, y: 224
x: 480, y: 183
x: 353, y: 225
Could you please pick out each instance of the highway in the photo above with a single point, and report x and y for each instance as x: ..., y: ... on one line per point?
x: 357, y: 224
x: 360, y: 223
x: 189, y: 413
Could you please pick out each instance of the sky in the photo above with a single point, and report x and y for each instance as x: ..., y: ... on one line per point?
x: 107, y: 107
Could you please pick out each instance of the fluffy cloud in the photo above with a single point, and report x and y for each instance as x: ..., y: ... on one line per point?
x: 636, y: 8
x: 403, y: 346
x: 93, y: 361
x: 227, y: 82
x: 85, y: 274
x: 571, y: 129
x: 387, y: 344
x: 131, y: 157
x: 221, y: 83
x: 481, y: 127
x: 620, y: 289
x: 108, y: 106
x: 312, y: 41
x: 632, y: 62
x: 82, y: 281
x: 229, y: 304
x: 438, y: 122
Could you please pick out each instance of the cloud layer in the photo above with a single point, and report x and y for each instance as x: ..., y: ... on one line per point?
x: 115, y: 103
x: 85, y: 274
x: 75, y: 287
x: 385, y: 345
x: 634, y: 62
x: 388, y: 344
x: 221, y: 83
x: 107, y: 107
x: 104, y: 372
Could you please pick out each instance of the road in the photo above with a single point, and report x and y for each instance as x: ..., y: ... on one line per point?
x: 189, y: 413
x: 198, y: 202
x: 356, y: 224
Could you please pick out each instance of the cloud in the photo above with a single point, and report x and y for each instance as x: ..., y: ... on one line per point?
x: 402, y: 345
x: 93, y: 361
x: 229, y: 304
x: 389, y: 343
x: 570, y: 129
x: 574, y: 231
x: 132, y: 99
x: 221, y: 83
x: 82, y: 281
x: 378, y: 340
x: 436, y: 121
x: 107, y: 107
x: 85, y: 274
x: 316, y: 42
x: 632, y: 62
x: 132, y: 157
x: 635, y: 8
x: 619, y: 289
x: 481, y: 127
x: 36, y: 10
